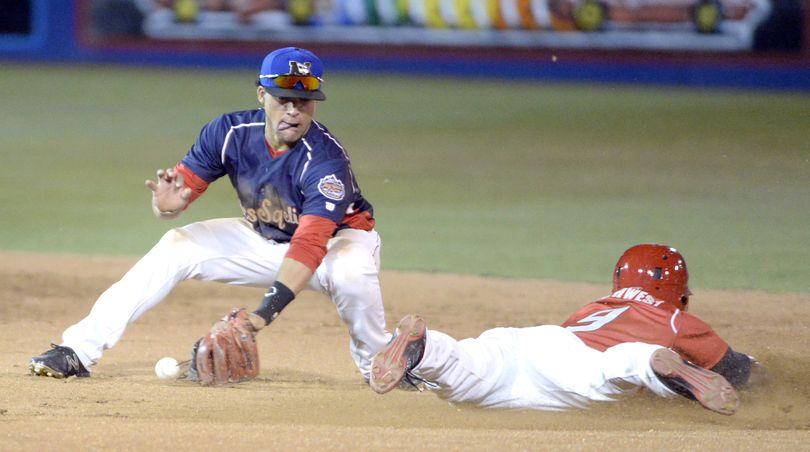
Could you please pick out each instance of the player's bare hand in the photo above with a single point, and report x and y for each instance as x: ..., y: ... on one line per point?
x: 169, y: 193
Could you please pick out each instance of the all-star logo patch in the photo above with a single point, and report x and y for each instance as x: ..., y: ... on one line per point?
x: 331, y: 187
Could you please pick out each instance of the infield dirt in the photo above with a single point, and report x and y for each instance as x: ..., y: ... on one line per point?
x: 309, y: 396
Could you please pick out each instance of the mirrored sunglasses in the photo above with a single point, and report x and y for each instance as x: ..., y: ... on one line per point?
x: 308, y: 82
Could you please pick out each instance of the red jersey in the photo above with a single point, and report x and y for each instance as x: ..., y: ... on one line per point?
x: 632, y: 315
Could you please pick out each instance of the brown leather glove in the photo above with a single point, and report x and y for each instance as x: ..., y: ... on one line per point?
x: 228, y: 353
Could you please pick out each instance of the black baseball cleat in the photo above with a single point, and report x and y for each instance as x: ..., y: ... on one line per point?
x: 708, y: 388
x: 394, y: 363
x: 58, y: 362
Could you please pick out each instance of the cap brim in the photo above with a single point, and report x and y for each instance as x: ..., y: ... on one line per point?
x: 295, y: 93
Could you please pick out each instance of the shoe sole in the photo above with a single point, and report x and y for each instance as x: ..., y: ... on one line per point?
x: 42, y: 370
x: 388, y: 366
x: 710, y: 389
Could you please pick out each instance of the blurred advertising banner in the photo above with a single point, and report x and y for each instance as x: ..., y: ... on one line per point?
x: 727, y: 26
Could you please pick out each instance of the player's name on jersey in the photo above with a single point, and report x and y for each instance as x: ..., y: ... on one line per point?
x: 268, y: 213
x: 633, y: 294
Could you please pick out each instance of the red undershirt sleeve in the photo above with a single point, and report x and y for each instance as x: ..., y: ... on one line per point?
x: 192, y: 181
x: 308, y: 244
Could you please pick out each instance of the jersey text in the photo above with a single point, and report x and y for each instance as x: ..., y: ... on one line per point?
x: 635, y: 294
x: 268, y: 213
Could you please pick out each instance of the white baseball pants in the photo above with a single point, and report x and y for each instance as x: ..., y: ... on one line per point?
x: 228, y: 250
x: 543, y: 367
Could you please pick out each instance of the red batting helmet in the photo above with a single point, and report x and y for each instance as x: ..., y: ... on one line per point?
x: 658, y: 270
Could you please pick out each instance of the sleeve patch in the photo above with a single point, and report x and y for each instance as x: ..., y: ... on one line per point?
x: 331, y: 187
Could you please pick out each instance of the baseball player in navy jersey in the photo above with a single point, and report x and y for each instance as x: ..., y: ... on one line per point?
x: 610, y: 349
x: 306, y: 225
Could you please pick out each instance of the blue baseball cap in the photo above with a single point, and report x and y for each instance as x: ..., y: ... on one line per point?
x: 292, y: 72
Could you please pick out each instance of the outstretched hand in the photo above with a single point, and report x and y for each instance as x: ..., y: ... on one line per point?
x: 169, y: 193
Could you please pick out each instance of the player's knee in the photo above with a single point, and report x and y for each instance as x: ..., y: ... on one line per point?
x: 180, y: 243
x: 175, y: 237
x: 353, y: 277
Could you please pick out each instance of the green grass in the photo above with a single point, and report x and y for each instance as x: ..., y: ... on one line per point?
x: 521, y: 179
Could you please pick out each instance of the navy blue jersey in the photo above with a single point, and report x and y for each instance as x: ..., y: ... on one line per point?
x: 312, y: 178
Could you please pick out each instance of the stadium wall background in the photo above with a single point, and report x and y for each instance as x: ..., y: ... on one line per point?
x: 63, y: 31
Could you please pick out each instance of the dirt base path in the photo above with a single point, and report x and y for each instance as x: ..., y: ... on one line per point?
x: 309, y: 395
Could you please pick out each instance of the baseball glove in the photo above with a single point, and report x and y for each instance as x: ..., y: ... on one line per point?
x: 227, y: 354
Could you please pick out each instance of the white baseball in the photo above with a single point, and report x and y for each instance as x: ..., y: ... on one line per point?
x: 167, y: 368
